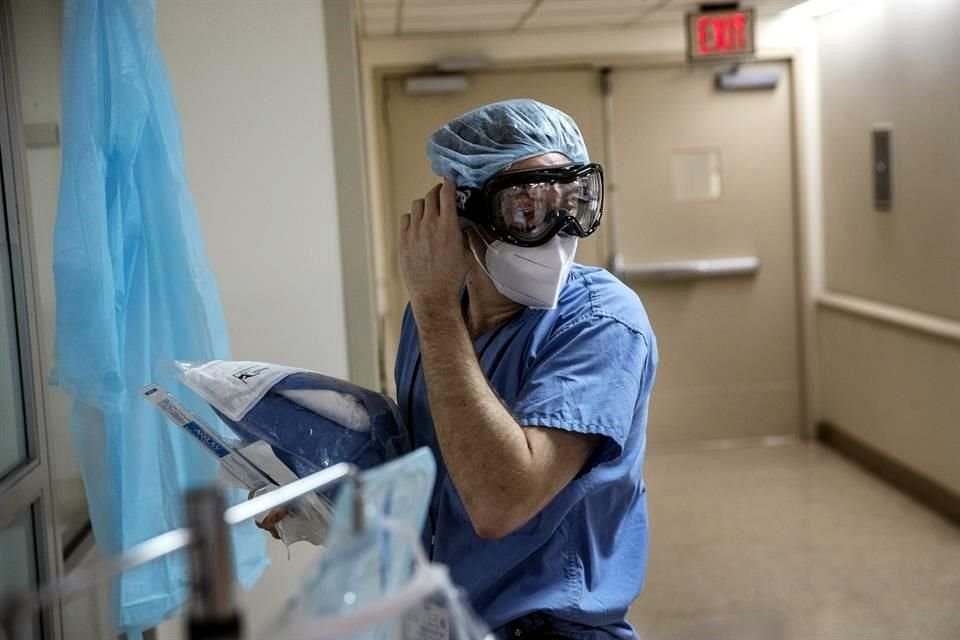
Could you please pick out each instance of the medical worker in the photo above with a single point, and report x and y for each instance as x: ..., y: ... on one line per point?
x: 528, y: 375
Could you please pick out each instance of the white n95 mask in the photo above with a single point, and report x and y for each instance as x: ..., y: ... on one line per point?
x: 531, y: 276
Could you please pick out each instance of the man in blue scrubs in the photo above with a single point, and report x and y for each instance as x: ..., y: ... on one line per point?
x: 529, y: 376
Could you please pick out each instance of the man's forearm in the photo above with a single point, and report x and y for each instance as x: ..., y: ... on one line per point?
x: 484, y: 449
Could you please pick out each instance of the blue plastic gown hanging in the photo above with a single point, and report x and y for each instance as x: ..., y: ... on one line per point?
x: 134, y: 291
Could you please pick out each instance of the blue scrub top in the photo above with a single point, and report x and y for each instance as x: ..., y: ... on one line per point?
x: 587, y: 366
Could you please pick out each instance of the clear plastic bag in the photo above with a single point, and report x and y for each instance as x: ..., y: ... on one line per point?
x: 377, y: 584
x: 428, y: 607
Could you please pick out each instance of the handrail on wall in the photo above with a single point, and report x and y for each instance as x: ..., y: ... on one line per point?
x: 685, y: 269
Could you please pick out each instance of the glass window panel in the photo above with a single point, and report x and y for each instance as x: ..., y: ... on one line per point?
x: 13, y: 436
x: 37, y: 26
x: 18, y: 565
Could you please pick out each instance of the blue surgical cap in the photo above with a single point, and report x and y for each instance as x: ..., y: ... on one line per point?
x: 473, y: 147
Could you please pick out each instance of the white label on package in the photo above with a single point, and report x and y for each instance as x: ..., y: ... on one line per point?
x: 427, y: 622
x: 233, y: 462
x: 234, y: 386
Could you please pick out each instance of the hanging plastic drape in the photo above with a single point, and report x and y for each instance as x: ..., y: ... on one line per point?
x: 134, y: 292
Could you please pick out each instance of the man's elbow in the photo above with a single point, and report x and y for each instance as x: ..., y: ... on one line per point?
x: 492, y: 530
x: 496, y: 520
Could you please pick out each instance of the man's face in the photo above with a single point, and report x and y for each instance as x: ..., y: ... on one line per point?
x: 525, y: 204
x: 528, y: 205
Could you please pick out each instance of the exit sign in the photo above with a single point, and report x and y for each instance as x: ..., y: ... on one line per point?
x: 725, y: 34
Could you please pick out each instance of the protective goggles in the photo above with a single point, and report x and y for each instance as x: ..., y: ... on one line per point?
x: 529, y: 207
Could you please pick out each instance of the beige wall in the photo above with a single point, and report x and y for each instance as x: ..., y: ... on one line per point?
x: 251, y: 85
x: 777, y: 36
x: 896, y: 389
x: 37, y: 34
x: 893, y: 386
x: 250, y: 81
x: 894, y: 62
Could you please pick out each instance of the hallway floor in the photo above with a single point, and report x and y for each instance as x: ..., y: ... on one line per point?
x: 791, y: 542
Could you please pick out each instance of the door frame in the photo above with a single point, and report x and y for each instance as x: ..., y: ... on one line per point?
x: 806, y: 174
x: 31, y: 485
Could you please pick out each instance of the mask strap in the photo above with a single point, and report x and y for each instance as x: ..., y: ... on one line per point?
x: 476, y: 257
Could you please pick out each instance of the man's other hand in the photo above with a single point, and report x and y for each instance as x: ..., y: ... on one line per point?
x: 434, y: 258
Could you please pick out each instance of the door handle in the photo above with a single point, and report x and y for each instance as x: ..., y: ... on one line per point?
x: 685, y: 269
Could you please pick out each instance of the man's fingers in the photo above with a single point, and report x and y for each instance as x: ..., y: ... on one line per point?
x: 416, y: 209
x: 432, y: 204
x: 448, y: 198
x: 277, y: 515
x: 404, y: 222
x: 273, y: 518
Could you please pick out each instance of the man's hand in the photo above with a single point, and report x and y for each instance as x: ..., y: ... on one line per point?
x: 272, y: 519
x: 270, y: 522
x: 434, y: 259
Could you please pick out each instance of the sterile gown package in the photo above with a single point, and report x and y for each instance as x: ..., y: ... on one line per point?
x: 254, y: 466
x: 474, y: 146
x: 310, y: 420
x: 377, y: 584
x: 133, y: 291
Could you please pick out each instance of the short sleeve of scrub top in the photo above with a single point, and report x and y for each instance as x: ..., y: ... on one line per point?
x: 588, y: 367
x: 587, y: 379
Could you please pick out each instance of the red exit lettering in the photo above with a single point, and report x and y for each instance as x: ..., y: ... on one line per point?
x: 722, y: 34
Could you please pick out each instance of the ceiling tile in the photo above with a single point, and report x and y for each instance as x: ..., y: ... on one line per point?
x: 587, y: 5
x: 446, y: 3
x: 455, y: 28
x: 496, y: 10
x: 457, y: 16
x: 571, y: 22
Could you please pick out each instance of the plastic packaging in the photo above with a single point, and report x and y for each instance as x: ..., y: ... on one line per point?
x: 253, y: 466
x: 378, y: 584
x: 310, y: 420
x: 308, y: 516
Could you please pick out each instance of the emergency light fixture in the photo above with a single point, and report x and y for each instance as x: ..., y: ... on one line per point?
x: 741, y: 79
x: 435, y: 84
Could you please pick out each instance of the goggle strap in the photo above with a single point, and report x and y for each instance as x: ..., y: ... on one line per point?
x: 471, y: 204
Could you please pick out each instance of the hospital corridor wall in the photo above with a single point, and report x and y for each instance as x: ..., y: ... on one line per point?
x: 889, y: 317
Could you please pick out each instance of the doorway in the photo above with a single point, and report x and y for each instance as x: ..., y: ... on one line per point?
x: 699, y: 222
